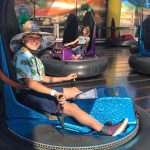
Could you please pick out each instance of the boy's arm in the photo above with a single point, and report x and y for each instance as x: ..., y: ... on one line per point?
x: 48, y: 79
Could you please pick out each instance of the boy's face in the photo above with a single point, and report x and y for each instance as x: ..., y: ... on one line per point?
x: 32, y: 41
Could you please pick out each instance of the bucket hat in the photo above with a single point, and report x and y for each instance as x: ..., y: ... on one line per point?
x: 30, y: 27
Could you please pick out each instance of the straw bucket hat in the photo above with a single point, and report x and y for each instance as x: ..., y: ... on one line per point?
x: 30, y: 27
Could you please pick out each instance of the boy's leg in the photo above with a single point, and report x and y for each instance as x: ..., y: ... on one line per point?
x: 73, y: 57
x: 81, y: 116
x: 85, y: 119
x: 77, y: 57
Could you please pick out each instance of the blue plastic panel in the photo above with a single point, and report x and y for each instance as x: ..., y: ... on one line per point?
x: 143, y: 51
x: 13, y: 109
x: 104, y: 109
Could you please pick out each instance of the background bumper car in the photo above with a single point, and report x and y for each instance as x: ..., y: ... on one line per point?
x: 140, y: 61
x: 58, y: 61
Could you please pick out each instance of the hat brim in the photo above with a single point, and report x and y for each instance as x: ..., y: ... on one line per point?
x: 48, y: 40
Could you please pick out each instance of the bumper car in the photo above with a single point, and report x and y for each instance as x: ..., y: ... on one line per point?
x: 140, y: 61
x: 58, y: 60
x: 134, y: 48
x: 38, y: 130
x: 124, y: 40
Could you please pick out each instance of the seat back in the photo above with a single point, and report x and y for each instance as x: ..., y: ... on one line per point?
x: 88, y: 20
x: 146, y: 33
x: 8, y: 28
x: 71, y: 33
x: 145, y: 38
x: 71, y: 29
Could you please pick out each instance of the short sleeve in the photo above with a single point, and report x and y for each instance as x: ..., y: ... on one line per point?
x: 88, y: 39
x: 83, y: 39
x: 23, y: 69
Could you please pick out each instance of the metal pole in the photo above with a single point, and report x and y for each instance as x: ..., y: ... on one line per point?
x: 142, y: 9
x: 76, y: 7
x: 34, y: 10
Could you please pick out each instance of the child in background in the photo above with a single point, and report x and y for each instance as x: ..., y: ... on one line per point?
x: 82, y: 43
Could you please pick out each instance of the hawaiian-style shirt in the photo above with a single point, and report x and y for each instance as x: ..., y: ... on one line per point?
x: 83, y: 39
x: 28, y: 66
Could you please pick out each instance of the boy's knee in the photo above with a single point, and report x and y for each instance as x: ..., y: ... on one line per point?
x: 75, y: 89
x: 70, y: 108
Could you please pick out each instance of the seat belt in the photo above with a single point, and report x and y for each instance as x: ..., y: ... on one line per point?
x: 12, y: 83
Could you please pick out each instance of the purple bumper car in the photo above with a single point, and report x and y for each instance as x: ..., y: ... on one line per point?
x: 58, y: 61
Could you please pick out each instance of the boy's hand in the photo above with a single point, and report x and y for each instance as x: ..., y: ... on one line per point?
x: 61, y: 99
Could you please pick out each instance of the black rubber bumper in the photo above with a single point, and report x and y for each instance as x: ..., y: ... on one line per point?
x: 85, y: 68
x: 45, y: 137
x: 140, y: 64
x: 134, y: 49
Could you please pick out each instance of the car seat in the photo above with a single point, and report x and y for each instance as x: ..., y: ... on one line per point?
x: 145, y: 38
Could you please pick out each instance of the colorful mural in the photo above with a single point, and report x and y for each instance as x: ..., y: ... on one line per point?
x: 57, y: 10
x: 48, y: 12
x: 133, y: 12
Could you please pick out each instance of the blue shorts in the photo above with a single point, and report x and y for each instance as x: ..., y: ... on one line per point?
x: 39, y: 101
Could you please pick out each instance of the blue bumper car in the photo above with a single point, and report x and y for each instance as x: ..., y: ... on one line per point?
x: 140, y: 61
x: 40, y: 130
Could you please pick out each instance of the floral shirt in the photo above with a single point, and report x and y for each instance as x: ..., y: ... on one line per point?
x: 83, y: 39
x: 82, y: 45
x: 27, y: 66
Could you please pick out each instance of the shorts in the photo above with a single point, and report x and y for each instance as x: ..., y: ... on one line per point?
x: 39, y: 101
x: 79, y: 50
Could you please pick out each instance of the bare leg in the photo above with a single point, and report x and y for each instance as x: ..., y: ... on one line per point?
x: 73, y: 57
x: 81, y: 116
x: 77, y: 57
x: 71, y: 92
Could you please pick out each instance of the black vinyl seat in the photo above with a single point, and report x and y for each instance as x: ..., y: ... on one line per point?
x: 9, y: 28
x: 146, y: 33
x: 71, y: 28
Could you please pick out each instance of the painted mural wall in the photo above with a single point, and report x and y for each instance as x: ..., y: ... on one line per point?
x: 133, y: 12
x: 57, y: 10
x: 48, y: 12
